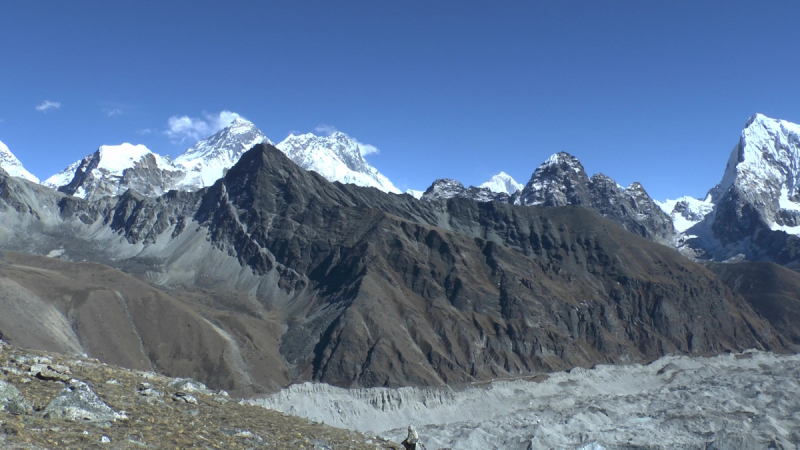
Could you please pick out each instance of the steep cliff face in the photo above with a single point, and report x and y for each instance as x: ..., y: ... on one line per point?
x: 379, y: 289
x: 755, y: 208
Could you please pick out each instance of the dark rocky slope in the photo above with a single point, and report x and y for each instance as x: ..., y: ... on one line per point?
x: 378, y: 289
x: 772, y: 290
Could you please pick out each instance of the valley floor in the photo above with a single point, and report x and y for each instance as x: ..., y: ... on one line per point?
x: 736, y: 401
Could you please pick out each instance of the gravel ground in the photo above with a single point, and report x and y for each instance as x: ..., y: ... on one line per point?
x: 736, y: 401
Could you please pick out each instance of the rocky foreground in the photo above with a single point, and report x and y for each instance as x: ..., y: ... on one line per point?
x: 52, y: 401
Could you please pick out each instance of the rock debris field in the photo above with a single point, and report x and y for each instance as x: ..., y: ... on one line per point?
x: 735, y: 401
x: 49, y: 401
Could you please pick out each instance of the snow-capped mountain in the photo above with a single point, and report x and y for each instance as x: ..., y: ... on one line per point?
x: 754, y: 212
x: 443, y: 189
x: 502, y: 183
x: 686, y: 211
x: 12, y: 166
x: 765, y: 168
x: 209, y: 159
x: 336, y: 157
x: 414, y: 193
x: 113, y: 169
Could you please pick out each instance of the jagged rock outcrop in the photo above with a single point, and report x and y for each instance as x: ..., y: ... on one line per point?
x: 444, y: 189
x: 365, y: 288
x: 631, y: 207
x: 562, y: 181
x: 559, y: 181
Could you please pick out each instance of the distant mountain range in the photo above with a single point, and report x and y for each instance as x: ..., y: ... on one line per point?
x: 301, y: 261
x: 752, y: 214
x: 114, y: 169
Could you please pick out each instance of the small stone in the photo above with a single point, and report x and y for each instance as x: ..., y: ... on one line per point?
x: 105, y: 440
x: 190, y: 386
x: 47, y: 372
x: 184, y: 397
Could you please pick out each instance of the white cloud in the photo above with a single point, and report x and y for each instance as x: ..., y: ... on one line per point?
x: 146, y: 131
x: 48, y: 105
x: 327, y: 130
x: 193, y: 129
x: 112, y: 112
x: 367, y: 149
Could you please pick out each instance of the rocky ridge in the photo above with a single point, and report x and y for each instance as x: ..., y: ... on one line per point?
x: 562, y: 181
x: 372, y: 289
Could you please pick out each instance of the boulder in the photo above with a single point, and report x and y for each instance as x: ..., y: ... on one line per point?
x: 12, y: 401
x: 77, y: 402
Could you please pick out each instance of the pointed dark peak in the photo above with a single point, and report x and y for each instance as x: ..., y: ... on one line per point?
x: 443, y: 189
x: 559, y: 181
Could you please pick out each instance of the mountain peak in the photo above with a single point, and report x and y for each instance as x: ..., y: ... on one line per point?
x: 563, y: 159
x: 502, y: 183
x: 559, y: 181
x: 13, y: 166
x: 239, y: 121
x: 336, y: 157
x: 209, y: 158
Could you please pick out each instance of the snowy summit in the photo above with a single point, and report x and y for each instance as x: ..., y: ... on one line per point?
x: 502, y: 183
x: 336, y: 157
x: 207, y: 161
x: 12, y: 166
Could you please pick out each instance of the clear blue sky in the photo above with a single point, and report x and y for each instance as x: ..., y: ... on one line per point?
x: 655, y: 92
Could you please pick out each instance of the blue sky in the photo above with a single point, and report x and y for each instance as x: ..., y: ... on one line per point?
x: 655, y: 92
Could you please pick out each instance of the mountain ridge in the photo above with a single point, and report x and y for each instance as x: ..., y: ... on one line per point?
x: 374, y: 289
